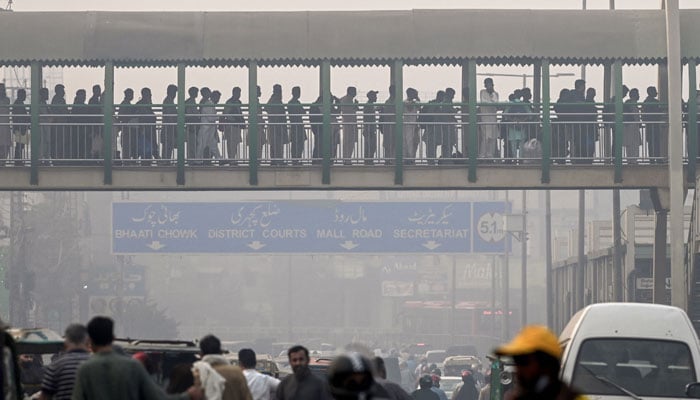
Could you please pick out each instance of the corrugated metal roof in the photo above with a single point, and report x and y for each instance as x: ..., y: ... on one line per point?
x: 345, y: 38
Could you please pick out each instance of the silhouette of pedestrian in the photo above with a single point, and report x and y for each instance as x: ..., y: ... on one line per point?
x: 369, y: 130
x: 654, y: 127
x: 146, y: 126
x: 81, y: 136
x: 192, y: 121
x: 94, y: 129
x: 233, y: 122
x: 387, y: 119
x: 168, y: 132
x: 348, y: 113
x: 276, y: 125
x: 127, y: 118
x: 297, y: 134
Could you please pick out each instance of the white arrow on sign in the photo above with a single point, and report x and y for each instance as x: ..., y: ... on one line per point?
x: 155, y: 245
x: 256, y: 245
x: 431, y: 245
x: 348, y: 245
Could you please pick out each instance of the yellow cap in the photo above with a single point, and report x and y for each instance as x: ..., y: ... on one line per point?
x: 531, y: 339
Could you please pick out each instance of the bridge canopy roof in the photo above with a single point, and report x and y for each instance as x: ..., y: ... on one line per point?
x: 349, y: 38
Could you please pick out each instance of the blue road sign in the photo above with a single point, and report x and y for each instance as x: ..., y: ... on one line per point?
x: 306, y: 227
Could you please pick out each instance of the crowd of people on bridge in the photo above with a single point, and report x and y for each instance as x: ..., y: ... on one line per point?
x: 93, y: 367
x: 433, y: 132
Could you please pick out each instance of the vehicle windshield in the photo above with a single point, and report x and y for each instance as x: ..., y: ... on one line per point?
x: 652, y: 368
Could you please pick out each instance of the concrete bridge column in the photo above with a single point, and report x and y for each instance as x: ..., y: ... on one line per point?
x: 661, y: 200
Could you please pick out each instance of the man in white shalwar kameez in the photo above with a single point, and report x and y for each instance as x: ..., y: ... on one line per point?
x: 488, y: 128
x: 207, y: 136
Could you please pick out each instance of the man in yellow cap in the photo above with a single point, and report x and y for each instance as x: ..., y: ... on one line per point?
x: 536, y: 354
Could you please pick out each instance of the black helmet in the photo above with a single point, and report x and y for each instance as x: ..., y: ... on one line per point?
x: 350, y: 376
x: 425, y: 382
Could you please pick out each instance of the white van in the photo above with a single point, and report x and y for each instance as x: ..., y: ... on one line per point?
x: 630, y: 350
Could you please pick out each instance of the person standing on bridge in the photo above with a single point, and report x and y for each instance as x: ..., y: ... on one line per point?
x: 387, y: 119
x: 276, y: 125
x: 369, y: 129
x: 20, y: 124
x: 429, y: 122
x: 80, y: 141
x: 590, y: 126
x: 448, y: 121
x: 147, y: 126
x: 45, y: 128
x: 207, y: 136
x: 125, y: 119
x: 411, y: 133
x: 653, y: 117
x: 169, y: 127
x: 297, y: 134
x: 192, y: 121
x: 59, y: 135
x: 234, y: 123
x: 609, y: 121
x: 632, y: 138
x: 488, y: 129
x: 5, y: 131
x: 348, y: 113
x: 95, y: 127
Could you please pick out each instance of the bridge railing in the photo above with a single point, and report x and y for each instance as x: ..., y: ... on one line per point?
x: 429, y: 134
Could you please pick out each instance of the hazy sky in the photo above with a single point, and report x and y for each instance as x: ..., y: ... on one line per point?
x: 426, y: 79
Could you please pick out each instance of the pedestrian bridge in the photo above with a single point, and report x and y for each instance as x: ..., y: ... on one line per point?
x: 388, y: 144
x: 415, y: 177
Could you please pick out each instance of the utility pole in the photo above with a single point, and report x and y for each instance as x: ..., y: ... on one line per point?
x: 523, y: 263
x: 505, y: 326
x: 679, y: 283
x: 18, y: 268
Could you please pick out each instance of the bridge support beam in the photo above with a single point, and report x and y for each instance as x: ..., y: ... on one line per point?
x: 180, y: 179
x: 253, y: 123
x: 619, y: 127
x: 108, y: 120
x: 546, y: 124
x: 35, y: 128
x: 327, y: 131
x: 397, y: 73
x: 473, y: 124
x: 661, y: 200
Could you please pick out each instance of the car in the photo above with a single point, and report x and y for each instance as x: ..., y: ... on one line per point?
x: 36, y: 348
x: 649, y: 350
x: 462, y: 350
x: 165, y: 354
x: 436, y: 357
x: 319, y: 366
x: 449, y: 383
x: 454, y: 365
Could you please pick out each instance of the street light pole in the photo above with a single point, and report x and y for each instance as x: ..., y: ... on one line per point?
x: 523, y: 263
